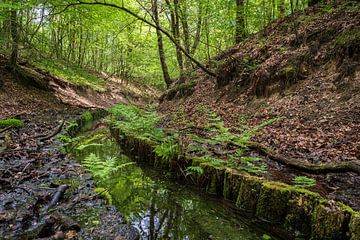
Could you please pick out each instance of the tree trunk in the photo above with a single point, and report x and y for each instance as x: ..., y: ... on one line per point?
x: 15, y: 38
x: 175, y: 29
x: 313, y: 2
x: 240, y: 21
x: 161, y: 45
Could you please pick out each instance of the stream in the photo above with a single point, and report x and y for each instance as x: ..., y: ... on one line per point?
x: 157, y: 206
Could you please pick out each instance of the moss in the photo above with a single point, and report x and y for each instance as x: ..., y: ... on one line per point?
x: 215, y: 178
x: 232, y: 185
x: 249, y: 193
x: 348, y: 38
x: 273, y: 201
x: 11, y: 122
x: 327, y: 222
x: 299, y: 214
x: 355, y: 226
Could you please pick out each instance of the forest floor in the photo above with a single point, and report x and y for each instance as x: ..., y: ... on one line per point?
x: 33, y: 172
x: 310, y: 77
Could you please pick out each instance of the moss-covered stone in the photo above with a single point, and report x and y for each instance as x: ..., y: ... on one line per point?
x: 327, y: 222
x: 299, y: 214
x: 273, y: 202
x: 215, y: 176
x: 232, y: 183
x: 249, y: 193
x: 355, y: 226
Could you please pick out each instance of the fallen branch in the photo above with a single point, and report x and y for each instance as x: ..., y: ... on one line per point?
x: 55, y: 132
x: 349, y: 166
x: 5, y: 129
x: 58, y: 194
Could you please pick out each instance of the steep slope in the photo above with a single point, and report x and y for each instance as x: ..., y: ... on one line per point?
x: 303, y: 67
x: 35, y: 90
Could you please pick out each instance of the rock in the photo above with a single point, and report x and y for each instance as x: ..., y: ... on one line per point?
x: 127, y: 232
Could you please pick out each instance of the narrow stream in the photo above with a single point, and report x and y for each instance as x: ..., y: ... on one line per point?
x: 159, y: 207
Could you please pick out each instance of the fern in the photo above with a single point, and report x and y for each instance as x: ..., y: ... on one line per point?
x: 194, y: 170
x: 303, y: 182
x: 102, y: 170
x: 168, y: 150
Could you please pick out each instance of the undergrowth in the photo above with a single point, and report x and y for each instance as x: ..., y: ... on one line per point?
x: 212, y: 143
x: 71, y: 72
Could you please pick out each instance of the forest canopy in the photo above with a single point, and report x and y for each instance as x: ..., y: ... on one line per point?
x: 125, y: 38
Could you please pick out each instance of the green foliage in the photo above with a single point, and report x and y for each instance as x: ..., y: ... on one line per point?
x: 136, y: 122
x: 168, y: 150
x: 303, y: 182
x: 348, y: 37
x: 266, y: 237
x: 71, y: 72
x: 194, y: 170
x: 11, y: 122
x: 103, y: 192
x: 101, y: 169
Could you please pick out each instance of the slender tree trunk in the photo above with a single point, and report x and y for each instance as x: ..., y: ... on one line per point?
x: 15, y: 38
x: 161, y: 45
x: 240, y: 21
x: 175, y: 29
x: 282, y: 8
x: 198, y: 30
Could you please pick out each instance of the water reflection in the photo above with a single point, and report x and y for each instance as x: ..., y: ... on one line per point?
x: 162, y: 209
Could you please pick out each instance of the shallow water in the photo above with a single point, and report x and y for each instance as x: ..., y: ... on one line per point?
x: 159, y: 207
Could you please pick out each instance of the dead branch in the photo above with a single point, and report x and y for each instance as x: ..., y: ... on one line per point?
x: 58, y: 194
x: 349, y: 166
x: 55, y: 132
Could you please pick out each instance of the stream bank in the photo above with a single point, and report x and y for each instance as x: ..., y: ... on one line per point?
x: 33, y: 172
x: 301, y: 213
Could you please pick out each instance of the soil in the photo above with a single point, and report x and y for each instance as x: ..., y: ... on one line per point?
x: 310, y: 76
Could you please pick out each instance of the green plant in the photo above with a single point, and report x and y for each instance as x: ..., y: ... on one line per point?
x: 104, y: 193
x: 136, y: 122
x: 11, y: 122
x: 102, y: 170
x: 168, y: 150
x: 303, y: 182
x: 194, y: 170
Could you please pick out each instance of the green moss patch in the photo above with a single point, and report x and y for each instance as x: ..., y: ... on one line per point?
x: 11, y: 122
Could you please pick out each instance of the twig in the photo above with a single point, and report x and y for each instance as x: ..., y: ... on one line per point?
x: 5, y: 129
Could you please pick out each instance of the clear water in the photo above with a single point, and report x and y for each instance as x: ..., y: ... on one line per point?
x: 163, y: 209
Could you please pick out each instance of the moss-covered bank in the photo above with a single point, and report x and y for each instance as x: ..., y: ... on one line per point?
x: 303, y: 214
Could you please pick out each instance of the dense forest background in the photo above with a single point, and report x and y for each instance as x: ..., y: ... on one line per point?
x: 125, y: 38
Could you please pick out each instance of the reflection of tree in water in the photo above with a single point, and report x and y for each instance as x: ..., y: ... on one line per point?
x: 154, y: 211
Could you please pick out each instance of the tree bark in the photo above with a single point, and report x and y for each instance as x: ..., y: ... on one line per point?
x: 161, y: 45
x: 15, y: 38
x: 175, y: 29
x: 240, y: 21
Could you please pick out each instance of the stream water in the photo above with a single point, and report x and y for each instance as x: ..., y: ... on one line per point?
x: 159, y: 207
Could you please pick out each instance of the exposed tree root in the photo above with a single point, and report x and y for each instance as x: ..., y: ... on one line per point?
x: 349, y: 166
x: 56, y: 131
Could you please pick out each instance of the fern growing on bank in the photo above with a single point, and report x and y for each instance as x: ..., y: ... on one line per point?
x: 217, y: 145
x: 102, y: 170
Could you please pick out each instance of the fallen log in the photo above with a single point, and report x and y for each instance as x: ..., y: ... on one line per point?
x: 298, y: 164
